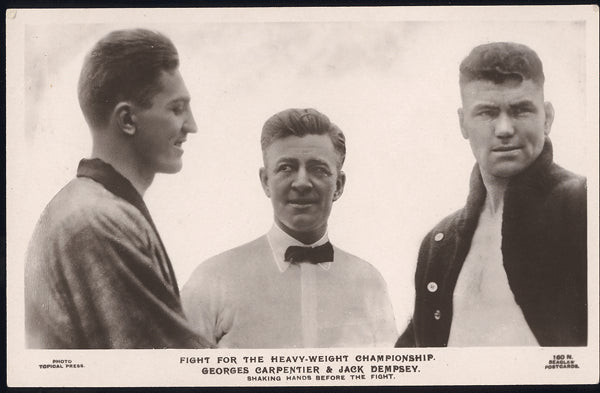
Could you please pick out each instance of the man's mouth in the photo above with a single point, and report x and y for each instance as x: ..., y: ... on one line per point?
x: 179, y: 143
x: 302, y: 202
x: 506, y: 148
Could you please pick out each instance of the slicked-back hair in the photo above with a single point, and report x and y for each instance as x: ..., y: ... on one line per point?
x: 499, y: 62
x: 124, y: 65
x: 301, y: 122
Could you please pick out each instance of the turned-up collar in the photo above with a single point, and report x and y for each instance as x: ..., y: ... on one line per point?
x: 532, y: 180
x: 113, y: 181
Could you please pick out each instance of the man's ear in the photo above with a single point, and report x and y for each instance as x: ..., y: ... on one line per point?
x: 461, y: 119
x: 125, y: 118
x: 549, y: 109
x: 339, y: 186
x: 264, y: 181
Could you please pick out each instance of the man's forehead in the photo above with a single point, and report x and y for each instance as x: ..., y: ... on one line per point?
x: 514, y: 91
x: 307, y: 148
x: 307, y: 158
x: 309, y: 142
x: 172, y: 85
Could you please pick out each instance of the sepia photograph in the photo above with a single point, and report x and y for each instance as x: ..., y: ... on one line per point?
x: 302, y: 196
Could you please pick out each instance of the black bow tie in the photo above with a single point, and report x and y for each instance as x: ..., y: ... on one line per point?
x: 318, y: 254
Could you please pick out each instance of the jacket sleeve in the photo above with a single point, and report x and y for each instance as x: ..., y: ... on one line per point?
x: 407, y: 339
x: 576, y: 264
x: 409, y: 336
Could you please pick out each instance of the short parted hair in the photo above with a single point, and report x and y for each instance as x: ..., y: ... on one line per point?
x: 498, y: 62
x: 124, y: 65
x: 301, y: 122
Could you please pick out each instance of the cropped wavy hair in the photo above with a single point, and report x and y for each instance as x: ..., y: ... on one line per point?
x: 501, y: 61
x: 300, y: 122
x: 124, y: 65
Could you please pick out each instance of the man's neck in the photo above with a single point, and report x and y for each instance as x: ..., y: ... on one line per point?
x: 123, y: 161
x: 306, y: 238
x: 495, y: 188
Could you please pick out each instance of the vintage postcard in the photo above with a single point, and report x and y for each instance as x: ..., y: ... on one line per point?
x: 517, y: 304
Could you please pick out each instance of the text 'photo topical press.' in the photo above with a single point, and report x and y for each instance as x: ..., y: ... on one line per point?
x: 302, y: 196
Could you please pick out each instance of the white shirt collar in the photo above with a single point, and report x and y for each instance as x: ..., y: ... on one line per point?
x: 280, y: 241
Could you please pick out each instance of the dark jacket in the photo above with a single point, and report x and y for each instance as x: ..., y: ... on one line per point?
x: 544, y: 248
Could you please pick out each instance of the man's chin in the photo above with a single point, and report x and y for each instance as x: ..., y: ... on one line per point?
x: 303, y: 227
x: 303, y: 224
x: 507, y: 171
x: 171, y: 168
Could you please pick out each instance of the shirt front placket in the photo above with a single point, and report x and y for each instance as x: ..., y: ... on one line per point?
x: 309, y: 303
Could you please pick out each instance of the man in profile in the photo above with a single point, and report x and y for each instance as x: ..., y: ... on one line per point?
x: 510, y: 268
x: 291, y: 288
x: 97, y: 274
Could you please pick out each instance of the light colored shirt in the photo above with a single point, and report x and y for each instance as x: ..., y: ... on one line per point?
x: 485, y: 312
x: 249, y: 297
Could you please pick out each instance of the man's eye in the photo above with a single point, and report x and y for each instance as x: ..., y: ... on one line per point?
x: 320, y: 170
x: 284, y: 168
x: 179, y: 109
x: 522, y: 111
x: 487, y: 113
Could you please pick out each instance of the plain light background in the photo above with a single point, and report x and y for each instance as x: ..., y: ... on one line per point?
x: 391, y: 86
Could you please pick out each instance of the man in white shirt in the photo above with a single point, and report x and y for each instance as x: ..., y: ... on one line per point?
x: 291, y: 288
x: 510, y: 268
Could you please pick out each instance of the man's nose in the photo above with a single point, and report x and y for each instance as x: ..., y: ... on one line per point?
x: 189, y: 126
x: 302, y: 180
x: 503, y: 126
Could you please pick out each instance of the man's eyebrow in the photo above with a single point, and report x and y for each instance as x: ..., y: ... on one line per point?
x: 318, y: 161
x: 183, y: 100
x: 485, y: 105
x: 525, y: 102
x: 286, y: 159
